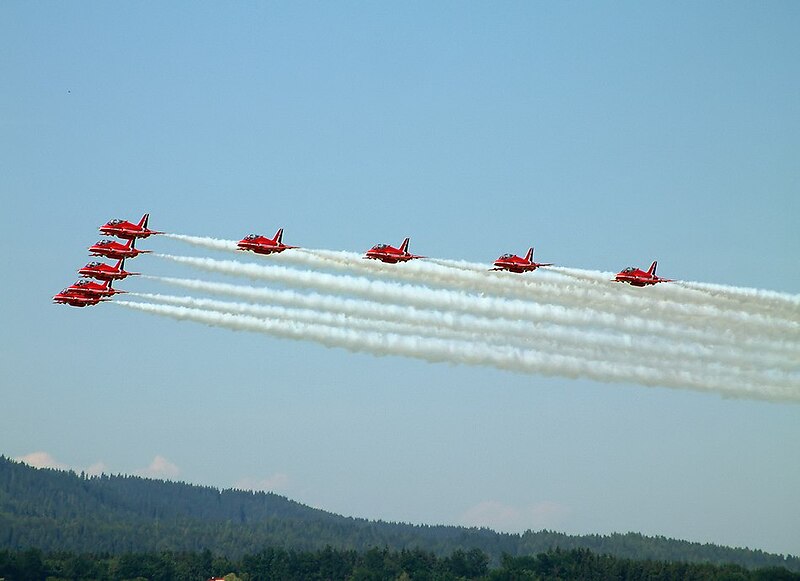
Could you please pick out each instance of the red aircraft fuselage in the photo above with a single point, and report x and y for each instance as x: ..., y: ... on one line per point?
x: 638, y: 277
x: 75, y: 298
x: 93, y: 289
x: 103, y: 271
x: 125, y: 229
x: 113, y: 249
x: 263, y: 245
x: 390, y: 254
x: 514, y: 263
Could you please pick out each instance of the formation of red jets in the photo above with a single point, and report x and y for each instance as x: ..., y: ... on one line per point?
x: 389, y: 254
x: 86, y: 293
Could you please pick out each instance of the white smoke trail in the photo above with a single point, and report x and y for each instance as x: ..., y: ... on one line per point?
x: 303, y: 315
x: 206, y: 242
x: 588, y: 287
x: 776, y: 312
x: 783, y: 303
x: 460, y: 352
x: 389, y: 292
x: 746, y: 355
x: 582, y: 274
x: 549, y: 284
x: 746, y: 348
x: 757, y: 301
x: 296, y: 256
x: 461, y: 264
x: 767, y: 308
x: 405, y: 320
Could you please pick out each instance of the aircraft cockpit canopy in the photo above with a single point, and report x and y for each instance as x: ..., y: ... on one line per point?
x: 114, y: 222
x: 380, y: 247
x: 629, y: 269
x: 104, y: 242
x: 252, y: 236
x: 506, y: 257
x: 93, y: 264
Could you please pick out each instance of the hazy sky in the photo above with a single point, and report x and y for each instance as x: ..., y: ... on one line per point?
x: 603, y: 134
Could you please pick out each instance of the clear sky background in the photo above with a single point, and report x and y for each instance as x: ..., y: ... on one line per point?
x: 603, y: 134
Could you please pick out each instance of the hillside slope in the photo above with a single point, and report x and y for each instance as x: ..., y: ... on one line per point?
x: 55, y: 510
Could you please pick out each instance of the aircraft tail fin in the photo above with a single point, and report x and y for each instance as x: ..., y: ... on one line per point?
x: 404, y: 246
x: 120, y: 265
x: 279, y: 236
x: 529, y: 256
x: 652, y: 270
x: 145, y: 219
x: 131, y: 243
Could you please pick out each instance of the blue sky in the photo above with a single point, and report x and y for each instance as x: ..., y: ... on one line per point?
x: 605, y: 135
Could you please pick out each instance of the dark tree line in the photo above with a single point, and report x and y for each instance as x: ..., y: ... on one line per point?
x: 54, y: 510
x: 374, y: 564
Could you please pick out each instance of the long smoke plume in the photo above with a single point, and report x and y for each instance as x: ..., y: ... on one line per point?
x: 544, y: 338
x: 705, y: 329
x: 568, y: 322
x: 469, y: 353
x: 573, y: 287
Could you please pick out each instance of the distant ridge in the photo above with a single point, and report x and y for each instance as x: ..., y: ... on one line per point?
x: 55, y: 510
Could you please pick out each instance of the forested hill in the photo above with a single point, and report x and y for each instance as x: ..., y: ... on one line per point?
x: 55, y: 510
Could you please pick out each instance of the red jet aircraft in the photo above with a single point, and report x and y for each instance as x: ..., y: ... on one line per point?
x: 390, y: 254
x: 638, y: 277
x: 125, y: 229
x: 103, y: 271
x: 263, y: 245
x: 76, y: 298
x: 93, y: 289
x: 112, y: 249
x: 514, y: 263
